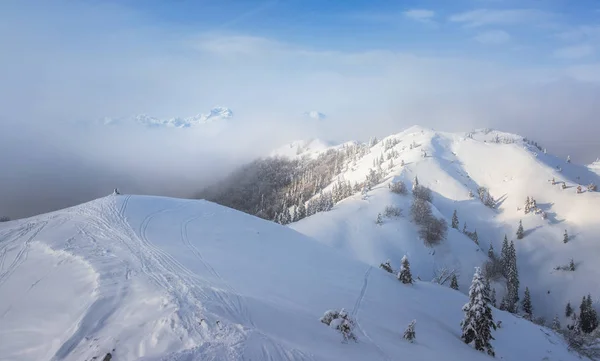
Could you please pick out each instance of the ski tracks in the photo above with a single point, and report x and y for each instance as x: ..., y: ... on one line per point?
x: 237, y: 307
x: 356, y: 308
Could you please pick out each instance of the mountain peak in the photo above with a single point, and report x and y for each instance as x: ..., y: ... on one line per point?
x: 313, y: 114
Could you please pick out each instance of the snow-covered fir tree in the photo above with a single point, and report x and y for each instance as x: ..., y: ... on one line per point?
x: 379, y: 219
x: 568, y: 159
x: 493, y: 297
x: 520, y: 231
x: 568, y: 310
x: 526, y: 304
x: 478, y: 322
x: 588, y: 318
x: 454, y: 282
x: 455, y: 222
x: 409, y: 333
x: 404, y: 275
x: 491, y: 253
x: 571, y: 265
x: 566, y: 237
x: 504, y: 256
x: 464, y: 228
x: 555, y: 323
x: 511, y: 298
x: 475, y: 237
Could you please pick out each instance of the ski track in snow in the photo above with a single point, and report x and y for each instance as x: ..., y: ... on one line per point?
x: 356, y: 308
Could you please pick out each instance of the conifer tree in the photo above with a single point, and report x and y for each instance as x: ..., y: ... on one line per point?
x: 588, y: 318
x: 504, y: 256
x: 493, y: 297
x: 491, y: 253
x: 454, y: 282
x: 478, y: 322
x: 571, y: 265
x: 475, y: 237
x: 520, y: 232
x: 465, y: 227
x: 526, y: 304
x: 409, y: 333
x: 566, y: 237
x: 512, y: 280
x: 568, y: 310
x: 416, y: 181
x: 404, y: 275
x: 379, y: 220
x: 455, y: 220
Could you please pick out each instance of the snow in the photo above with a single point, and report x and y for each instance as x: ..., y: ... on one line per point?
x: 457, y: 163
x: 216, y: 114
x: 313, y: 114
x: 150, y: 278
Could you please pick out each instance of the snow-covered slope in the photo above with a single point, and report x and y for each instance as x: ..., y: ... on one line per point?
x: 454, y: 165
x: 148, y: 278
x: 215, y: 114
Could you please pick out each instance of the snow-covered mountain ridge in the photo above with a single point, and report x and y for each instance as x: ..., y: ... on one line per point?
x: 453, y: 166
x: 214, y: 115
x: 149, y: 278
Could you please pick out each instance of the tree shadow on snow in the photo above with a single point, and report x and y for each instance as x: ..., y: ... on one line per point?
x: 530, y: 231
x: 500, y: 201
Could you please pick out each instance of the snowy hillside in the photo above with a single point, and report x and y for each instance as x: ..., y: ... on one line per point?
x: 214, y: 115
x: 148, y: 278
x: 452, y: 165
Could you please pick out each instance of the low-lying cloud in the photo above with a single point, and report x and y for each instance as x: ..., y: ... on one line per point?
x: 71, y: 65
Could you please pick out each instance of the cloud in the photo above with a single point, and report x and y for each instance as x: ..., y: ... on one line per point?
x: 493, y: 37
x: 484, y: 17
x: 583, y: 32
x: 574, y: 52
x: 421, y: 15
x: 74, y: 66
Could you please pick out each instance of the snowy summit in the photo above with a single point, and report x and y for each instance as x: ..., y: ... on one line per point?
x: 313, y: 114
x: 214, y: 115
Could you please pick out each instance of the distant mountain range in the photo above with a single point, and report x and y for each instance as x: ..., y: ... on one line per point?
x: 214, y: 115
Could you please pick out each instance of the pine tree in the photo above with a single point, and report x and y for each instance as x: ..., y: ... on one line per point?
x: 566, y: 237
x: 465, y: 227
x: 504, y: 256
x: 478, y: 322
x: 493, y: 297
x: 409, y: 333
x: 404, y: 275
x: 454, y: 282
x: 379, y: 220
x: 512, y: 280
x: 588, y: 318
x: 415, y: 182
x: 455, y: 220
x: 526, y: 304
x: 571, y: 265
x: 475, y: 237
x: 491, y: 253
x: 520, y: 232
x: 568, y: 310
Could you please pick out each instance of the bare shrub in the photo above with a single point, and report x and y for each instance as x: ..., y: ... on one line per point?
x: 392, y: 212
x: 398, y: 188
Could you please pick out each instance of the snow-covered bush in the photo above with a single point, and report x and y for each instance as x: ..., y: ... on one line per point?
x: 420, y: 211
x: 387, y: 266
x: 422, y: 192
x: 409, y: 333
x: 433, y: 231
x: 392, y: 212
x: 592, y: 187
x: 398, y: 187
x: 340, y: 321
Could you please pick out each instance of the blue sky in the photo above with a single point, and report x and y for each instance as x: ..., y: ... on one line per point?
x: 515, y: 30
